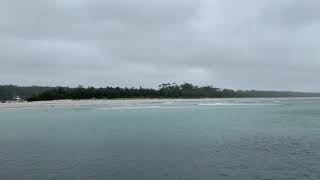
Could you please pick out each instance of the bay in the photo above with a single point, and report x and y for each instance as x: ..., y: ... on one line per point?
x: 239, y: 139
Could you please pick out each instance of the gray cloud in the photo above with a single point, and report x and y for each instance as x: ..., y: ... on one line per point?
x: 235, y: 44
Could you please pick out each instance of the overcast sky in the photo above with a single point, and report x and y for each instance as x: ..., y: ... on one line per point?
x: 247, y: 44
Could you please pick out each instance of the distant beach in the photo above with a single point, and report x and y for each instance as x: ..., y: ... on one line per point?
x: 91, y: 102
x: 126, y: 102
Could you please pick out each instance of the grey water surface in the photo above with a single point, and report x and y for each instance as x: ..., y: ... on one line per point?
x: 198, y: 140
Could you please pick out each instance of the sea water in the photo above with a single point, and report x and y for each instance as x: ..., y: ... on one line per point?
x: 239, y: 139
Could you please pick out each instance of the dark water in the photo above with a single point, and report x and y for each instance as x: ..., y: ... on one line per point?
x: 238, y: 140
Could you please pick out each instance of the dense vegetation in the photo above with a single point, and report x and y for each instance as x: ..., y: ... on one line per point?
x: 167, y: 90
x: 8, y: 91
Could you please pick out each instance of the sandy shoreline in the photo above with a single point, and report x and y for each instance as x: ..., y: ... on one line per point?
x: 91, y: 102
x: 121, y: 102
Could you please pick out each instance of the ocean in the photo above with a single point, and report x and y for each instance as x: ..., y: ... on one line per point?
x: 231, y: 139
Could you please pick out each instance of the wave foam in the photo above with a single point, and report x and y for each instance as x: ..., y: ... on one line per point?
x: 236, y: 104
x: 132, y: 107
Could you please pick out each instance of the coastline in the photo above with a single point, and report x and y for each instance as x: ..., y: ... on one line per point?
x: 124, y: 102
x: 92, y: 102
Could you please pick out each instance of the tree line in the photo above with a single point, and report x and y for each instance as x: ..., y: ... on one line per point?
x: 8, y: 91
x: 166, y: 90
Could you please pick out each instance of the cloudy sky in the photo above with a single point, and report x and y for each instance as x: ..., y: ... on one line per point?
x: 247, y: 44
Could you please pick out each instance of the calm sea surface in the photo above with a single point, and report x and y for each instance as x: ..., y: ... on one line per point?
x: 227, y: 139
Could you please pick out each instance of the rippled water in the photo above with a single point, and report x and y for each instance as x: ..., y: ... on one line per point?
x: 227, y: 139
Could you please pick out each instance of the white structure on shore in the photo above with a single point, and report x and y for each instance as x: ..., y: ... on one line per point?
x: 16, y: 98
